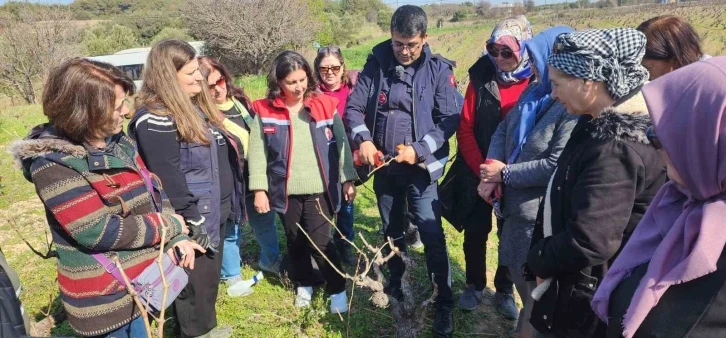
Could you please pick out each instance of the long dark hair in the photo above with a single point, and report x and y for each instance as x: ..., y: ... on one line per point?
x: 338, y: 54
x: 670, y: 38
x: 284, y: 64
x: 208, y: 64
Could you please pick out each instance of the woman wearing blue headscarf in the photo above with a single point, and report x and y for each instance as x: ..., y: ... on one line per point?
x: 522, y: 156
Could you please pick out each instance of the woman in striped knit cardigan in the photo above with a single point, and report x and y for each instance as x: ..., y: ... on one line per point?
x: 88, y: 175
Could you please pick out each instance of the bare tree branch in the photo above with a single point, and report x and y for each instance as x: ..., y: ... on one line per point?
x: 247, y: 34
x: 31, y: 43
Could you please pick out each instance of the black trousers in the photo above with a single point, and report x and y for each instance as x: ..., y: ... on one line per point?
x: 303, y: 209
x: 475, y: 253
x: 194, y: 307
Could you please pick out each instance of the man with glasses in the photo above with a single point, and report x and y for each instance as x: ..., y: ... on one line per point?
x: 406, y: 105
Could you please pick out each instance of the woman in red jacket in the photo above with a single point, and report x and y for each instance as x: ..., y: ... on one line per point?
x: 497, y: 80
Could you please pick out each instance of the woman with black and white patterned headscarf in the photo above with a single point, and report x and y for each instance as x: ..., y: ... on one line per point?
x: 605, y: 178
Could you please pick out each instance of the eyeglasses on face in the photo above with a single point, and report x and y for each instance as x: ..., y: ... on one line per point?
x: 653, y: 138
x: 219, y: 82
x: 401, y: 46
x: 334, y: 69
x: 505, y: 53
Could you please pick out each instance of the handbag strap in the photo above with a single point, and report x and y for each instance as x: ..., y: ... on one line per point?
x: 149, y: 186
x: 106, y: 263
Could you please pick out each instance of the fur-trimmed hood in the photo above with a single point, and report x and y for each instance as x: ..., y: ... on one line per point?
x: 625, y: 121
x: 41, y: 141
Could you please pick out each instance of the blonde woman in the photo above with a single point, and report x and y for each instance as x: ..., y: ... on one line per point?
x: 180, y: 135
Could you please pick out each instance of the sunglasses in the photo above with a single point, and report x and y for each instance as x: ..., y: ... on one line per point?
x: 334, y: 69
x: 653, y: 138
x: 505, y: 53
x: 219, y: 82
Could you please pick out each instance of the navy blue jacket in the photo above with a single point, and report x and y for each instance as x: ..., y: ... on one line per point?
x: 189, y: 171
x: 436, y: 105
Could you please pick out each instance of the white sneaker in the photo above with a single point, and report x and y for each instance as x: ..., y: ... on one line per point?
x: 304, y: 296
x: 239, y: 289
x: 339, y: 303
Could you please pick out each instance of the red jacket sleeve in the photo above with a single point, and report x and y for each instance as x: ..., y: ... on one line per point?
x: 468, y: 147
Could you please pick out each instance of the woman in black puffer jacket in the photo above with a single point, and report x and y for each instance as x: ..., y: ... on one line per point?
x: 605, y: 178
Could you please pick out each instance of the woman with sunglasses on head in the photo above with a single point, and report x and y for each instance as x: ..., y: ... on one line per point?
x: 237, y: 109
x: 672, y: 43
x: 180, y: 135
x: 670, y: 279
x: 604, y: 181
x: 337, y: 81
x: 299, y: 157
x: 497, y: 81
x: 99, y: 198
x: 524, y: 151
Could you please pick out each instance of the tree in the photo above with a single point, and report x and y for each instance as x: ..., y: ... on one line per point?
x: 248, y: 34
x: 31, y: 43
x: 172, y: 33
x: 361, y: 6
x: 107, y: 39
x: 529, y: 5
x: 147, y: 25
x: 483, y: 8
x: 459, y: 15
x: 384, y: 18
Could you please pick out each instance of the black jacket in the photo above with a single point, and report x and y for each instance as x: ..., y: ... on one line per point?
x: 461, y: 204
x: 692, y: 309
x: 488, y: 102
x: 605, y: 179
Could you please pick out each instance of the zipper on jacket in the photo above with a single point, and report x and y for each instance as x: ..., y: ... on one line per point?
x: 413, y: 106
x: 375, y: 111
x: 289, y: 155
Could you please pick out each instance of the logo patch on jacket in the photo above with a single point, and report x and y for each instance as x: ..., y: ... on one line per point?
x: 382, y: 98
x: 452, y: 80
x: 269, y: 129
x: 329, y: 135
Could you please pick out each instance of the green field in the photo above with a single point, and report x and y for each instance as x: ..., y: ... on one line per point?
x: 269, y: 312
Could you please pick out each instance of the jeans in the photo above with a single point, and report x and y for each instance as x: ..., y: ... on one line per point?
x: 344, y: 221
x: 392, y: 192
x: 263, y: 225
x: 231, y: 260
x: 134, y: 329
x: 265, y: 230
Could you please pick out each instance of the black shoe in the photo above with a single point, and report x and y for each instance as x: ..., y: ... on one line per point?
x: 346, y: 254
x: 443, y: 322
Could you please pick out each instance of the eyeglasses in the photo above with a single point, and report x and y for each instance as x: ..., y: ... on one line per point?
x: 331, y: 49
x: 400, y: 46
x: 653, y: 138
x: 219, y: 82
x: 505, y: 53
x: 334, y: 69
